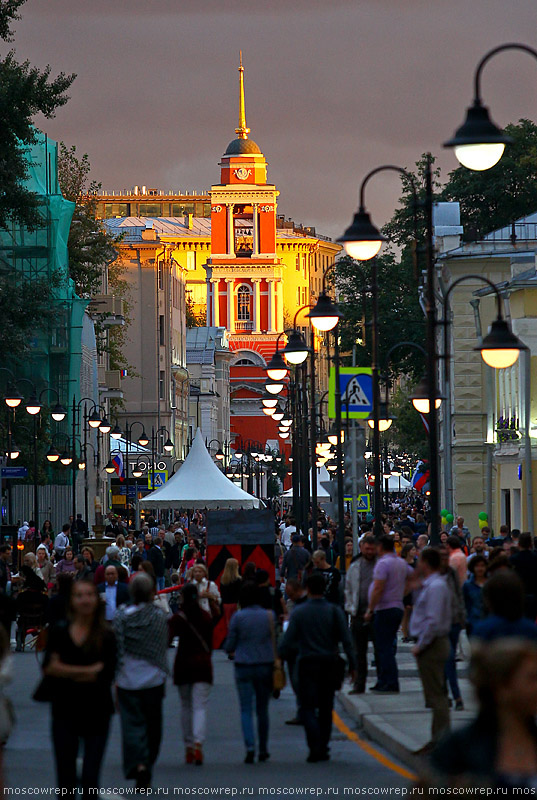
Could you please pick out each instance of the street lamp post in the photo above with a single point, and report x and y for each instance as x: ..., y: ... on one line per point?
x: 325, y: 317
x: 363, y: 240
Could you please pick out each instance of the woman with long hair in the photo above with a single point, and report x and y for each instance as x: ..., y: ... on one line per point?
x: 472, y: 591
x: 79, y: 667
x: 124, y: 552
x: 499, y: 748
x: 193, y: 669
x: 67, y: 563
x: 89, y: 557
x: 208, y: 594
x: 230, y: 586
x: 47, y: 569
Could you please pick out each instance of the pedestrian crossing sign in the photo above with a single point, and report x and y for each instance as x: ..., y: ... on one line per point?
x: 356, y: 388
x: 157, y: 479
x: 363, y: 503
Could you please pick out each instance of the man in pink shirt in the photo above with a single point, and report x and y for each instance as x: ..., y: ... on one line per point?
x: 457, y: 559
x: 391, y: 578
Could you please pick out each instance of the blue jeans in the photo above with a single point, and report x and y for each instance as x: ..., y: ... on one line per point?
x: 161, y: 583
x: 254, y: 680
x: 451, y: 666
x: 385, y: 625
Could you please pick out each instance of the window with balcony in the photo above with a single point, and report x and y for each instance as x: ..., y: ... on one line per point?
x: 243, y: 302
x: 243, y: 320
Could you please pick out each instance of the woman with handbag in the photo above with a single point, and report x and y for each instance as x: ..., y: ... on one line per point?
x: 208, y: 594
x: 193, y: 669
x: 252, y: 638
x: 79, y: 667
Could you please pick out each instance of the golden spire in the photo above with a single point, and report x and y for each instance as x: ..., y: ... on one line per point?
x: 242, y: 131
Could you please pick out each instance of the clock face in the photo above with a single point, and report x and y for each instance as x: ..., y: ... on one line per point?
x: 242, y: 173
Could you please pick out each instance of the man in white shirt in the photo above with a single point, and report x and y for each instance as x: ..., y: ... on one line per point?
x: 22, y: 531
x: 430, y: 624
x: 287, y: 533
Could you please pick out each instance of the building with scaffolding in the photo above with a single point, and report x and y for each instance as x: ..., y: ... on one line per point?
x: 61, y: 363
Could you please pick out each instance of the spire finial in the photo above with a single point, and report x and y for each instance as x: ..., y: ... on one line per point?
x: 242, y: 131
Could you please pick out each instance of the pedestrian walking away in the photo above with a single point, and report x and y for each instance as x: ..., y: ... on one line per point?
x: 193, y: 669
x: 250, y: 639
x: 315, y: 630
x: 142, y: 646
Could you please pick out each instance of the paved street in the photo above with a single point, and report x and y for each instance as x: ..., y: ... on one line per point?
x: 30, y: 762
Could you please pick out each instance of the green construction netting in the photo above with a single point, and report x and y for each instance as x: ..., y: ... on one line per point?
x: 42, y: 254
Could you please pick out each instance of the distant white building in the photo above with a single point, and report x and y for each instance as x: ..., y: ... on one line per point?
x: 208, y: 358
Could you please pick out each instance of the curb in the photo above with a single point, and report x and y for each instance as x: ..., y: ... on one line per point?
x: 378, y: 730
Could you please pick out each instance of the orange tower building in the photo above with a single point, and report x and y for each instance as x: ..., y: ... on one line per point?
x: 245, y: 291
x: 245, y: 276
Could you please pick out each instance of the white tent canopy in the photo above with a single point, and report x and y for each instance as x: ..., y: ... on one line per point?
x: 397, y: 483
x: 198, y: 483
x: 322, y: 494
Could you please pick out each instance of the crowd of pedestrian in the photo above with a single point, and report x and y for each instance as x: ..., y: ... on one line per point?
x: 107, y: 624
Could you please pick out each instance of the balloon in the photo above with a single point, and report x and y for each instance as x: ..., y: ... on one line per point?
x: 444, y: 512
x: 483, y: 516
x: 482, y: 523
x: 450, y: 518
x: 444, y: 522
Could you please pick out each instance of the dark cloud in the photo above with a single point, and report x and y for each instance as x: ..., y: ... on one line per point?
x: 333, y: 88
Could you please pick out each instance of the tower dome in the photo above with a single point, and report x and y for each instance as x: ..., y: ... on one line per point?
x: 239, y: 147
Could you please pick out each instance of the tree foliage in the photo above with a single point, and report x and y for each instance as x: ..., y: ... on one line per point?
x: 400, y: 316
x: 90, y: 245
x: 193, y: 318
x: 496, y: 197
x: 407, y: 432
x: 24, y: 92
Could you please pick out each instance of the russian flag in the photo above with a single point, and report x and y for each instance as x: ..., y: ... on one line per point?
x: 420, y: 477
x: 117, y: 461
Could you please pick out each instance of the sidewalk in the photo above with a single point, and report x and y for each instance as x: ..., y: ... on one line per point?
x: 401, y: 723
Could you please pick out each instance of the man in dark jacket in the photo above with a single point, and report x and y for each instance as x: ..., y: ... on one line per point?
x: 156, y: 557
x: 294, y: 560
x: 315, y: 630
x: 525, y: 565
x: 115, y: 593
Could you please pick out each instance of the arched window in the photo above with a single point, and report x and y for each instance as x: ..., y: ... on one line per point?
x: 248, y: 358
x: 244, y: 293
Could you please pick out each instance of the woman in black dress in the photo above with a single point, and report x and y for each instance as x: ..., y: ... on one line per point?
x: 79, y: 667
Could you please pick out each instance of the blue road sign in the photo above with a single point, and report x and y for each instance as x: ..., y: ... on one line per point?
x: 356, y: 386
x: 160, y: 478
x: 123, y: 490
x: 363, y: 502
x: 14, y: 472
